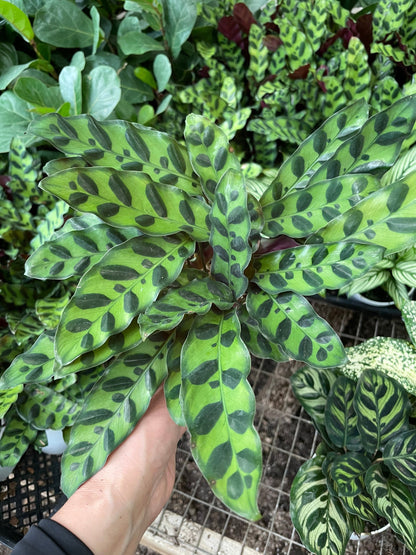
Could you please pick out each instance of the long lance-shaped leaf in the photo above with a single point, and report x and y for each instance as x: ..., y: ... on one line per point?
x: 209, y: 151
x: 348, y: 470
x: 128, y: 198
x: 218, y: 406
x: 319, y: 517
x: 44, y: 408
x: 256, y: 342
x: 196, y: 297
x: 35, y: 365
x: 121, y: 145
x: 73, y: 253
x: 302, y: 212
x: 290, y: 321
x: 113, y: 346
x: 8, y: 398
x: 310, y: 269
x: 376, y: 146
x: 395, y: 502
x: 297, y: 170
x: 116, y: 403
x: 124, y: 283
x: 382, y: 406
x: 230, y: 230
x: 399, y: 455
x: 385, y: 218
x: 340, y: 417
x: 16, y: 438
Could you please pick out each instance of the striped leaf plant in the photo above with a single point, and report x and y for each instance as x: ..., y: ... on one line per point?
x: 363, y: 473
x: 184, y: 269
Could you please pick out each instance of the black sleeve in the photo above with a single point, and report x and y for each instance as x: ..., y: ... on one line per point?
x: 51, y: 538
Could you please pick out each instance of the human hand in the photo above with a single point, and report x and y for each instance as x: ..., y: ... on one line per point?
x: 111, y: 511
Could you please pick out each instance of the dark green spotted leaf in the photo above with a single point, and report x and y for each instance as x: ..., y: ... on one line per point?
x: 394, y: 501
x: 318, y: 516
x: 310, y: 269
x: 173, y: 382
x: 230, y: 230
x: 340, y: 416
x: 120, y: 145
x: 348, y: 470
x: 218, y: 406
x: 129, y: 198
x: 302, y: 212
x: 73, y: 253
x: 382, y: 406
x: 112, y: 409
x: 195, y: 297
x: 121, y: 285
x: 8, y: 398
x: 209, y: 151
x: 385, y: 218
x: 290, y: 321
x: 44, y: 408
x: 399, y: 455
x: 16, y: 438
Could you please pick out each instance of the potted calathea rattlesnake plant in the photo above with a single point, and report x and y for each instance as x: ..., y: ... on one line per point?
x: 182, y: 272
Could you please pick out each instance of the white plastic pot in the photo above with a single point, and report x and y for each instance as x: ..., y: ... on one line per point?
x: 365, y: 535
x: 56, y: 443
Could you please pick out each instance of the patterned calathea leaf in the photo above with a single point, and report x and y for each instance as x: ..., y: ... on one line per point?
x: 43, y: 408
x: 16, y: 438
x: 290, y: 321
x: 259, y: 54
x: 321, y: 145
x: 310, y: 269
x: 195, y: 297
x: 114, y: 406
x: 49, y: 309
x: 209, y: 151
x: 113, y: 346
x: 399, y: 455
x: 348, y: 470
x: 319, y: 517
x: 360, y: 505
x: 340, y: 416
x: 302, y: 212
x: 256, y: 342
x: 218, y: 406
x: 35, y: 365
x: 230, y: 230
x: 129, y: 198
x: 121, y: 285
x: 59, y: 164
x: 382, y: 406
x: 121, y: 145
x: 385, y: 218
x: 356, y: 83
x: 71, y: 254
x: 8, y: 398
x: 376, y: 146
x: 256, y: 217
x: 394, y: 501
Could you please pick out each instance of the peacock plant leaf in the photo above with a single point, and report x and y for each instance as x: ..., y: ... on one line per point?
x: 399, y: 454
x: 121, y: 285
x: 16, y: 438
x: 72, y: 253
x: 384, y: 218
x: 43, y: 408
x: 340, y: 416
x: 360, y: 505
x: 318, y: 516
x: 120, y: 145
x: 8, y: 398
x: 230, y: 231
x: 218, y: 406
x: 209, y: 151
x: 310, y: 269
x: 195, y: 297
x: 348, y: 470
x: 394, y: 501
x: 130, y: 198
x: 110, y: 412
x: 305, y: 211
x: 382, y: 407
x: 290, y: 321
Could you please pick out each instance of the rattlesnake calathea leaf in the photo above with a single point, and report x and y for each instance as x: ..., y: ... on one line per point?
x: 319, y: 517
x: 16, y: 438
x: 121, y: 285
x: 120, y: 145
x: 399, y: 455
x: 218, y: 406
x: 129, y: 198
x: 290, y: 321
x: 394, y: 501
x: 8, y: 398
x: 114, y: 406
x: 230, y: 230
x: 340, y: 416
x: 256, y: 342
x: 310, y: 269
